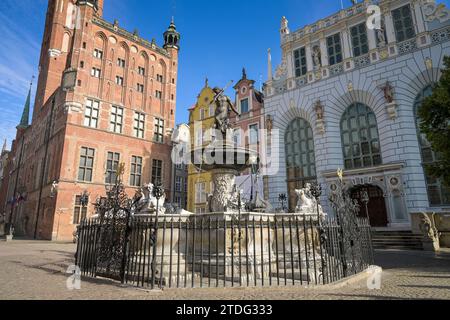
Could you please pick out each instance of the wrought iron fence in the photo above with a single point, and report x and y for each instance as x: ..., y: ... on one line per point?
x: 223, y: 250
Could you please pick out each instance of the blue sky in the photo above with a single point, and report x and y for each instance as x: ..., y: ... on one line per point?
x: 219, y: 38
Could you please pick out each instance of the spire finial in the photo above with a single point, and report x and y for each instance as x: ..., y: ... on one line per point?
x: 26, y: 109
x: 4, y: 146
x: 269, y: 65
x: 244, y: 73
x: 206, y: 82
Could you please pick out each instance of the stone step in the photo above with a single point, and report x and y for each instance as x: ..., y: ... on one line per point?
x: 402, y: 240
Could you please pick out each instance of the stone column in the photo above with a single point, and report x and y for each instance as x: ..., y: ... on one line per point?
x: 324, y: 51
x: 347, y: 50
x: 371, y: 39
x: 309, y: 60
x: 389, y: 25
x: 417, y: 12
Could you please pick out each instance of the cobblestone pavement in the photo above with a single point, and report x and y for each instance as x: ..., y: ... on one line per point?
x: 36, y: 270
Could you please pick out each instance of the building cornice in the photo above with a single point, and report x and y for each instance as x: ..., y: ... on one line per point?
x: 367, y: 171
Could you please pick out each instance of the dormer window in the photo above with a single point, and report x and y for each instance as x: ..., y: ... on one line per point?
x: 244, y: 106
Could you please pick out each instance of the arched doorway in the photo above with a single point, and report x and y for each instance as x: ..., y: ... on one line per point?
x: 377, y: 205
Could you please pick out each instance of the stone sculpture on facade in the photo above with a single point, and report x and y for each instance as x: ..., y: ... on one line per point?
x: 430, y: 233
x: 391, y: 105
x: 281, y: 71
x: 381, y: 37
x: 317, y: 57
x: 320, y: 118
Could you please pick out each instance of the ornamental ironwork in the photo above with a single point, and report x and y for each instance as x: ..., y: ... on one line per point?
x: 347, y: 210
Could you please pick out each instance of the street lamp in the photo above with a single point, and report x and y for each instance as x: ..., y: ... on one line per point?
x: 365, y: 199
x: 84, y: 200
x: 282, y: 198
x: 158, y: 193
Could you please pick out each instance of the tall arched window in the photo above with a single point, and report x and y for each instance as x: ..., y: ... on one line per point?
x: 360, y: 140
x: 300, y: 157
x: 438, y: 194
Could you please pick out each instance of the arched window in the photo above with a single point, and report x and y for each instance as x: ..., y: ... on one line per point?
x: 300, y: 157
x: 360, y: 140
x: 438, y: 194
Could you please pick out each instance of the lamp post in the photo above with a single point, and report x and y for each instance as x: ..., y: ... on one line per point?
x: 365, y: 199
x: 158, y: 193
x: 282, y: 198
x: 316, y: 192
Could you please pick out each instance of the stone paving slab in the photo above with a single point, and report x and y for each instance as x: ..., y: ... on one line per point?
x: 37, y: 270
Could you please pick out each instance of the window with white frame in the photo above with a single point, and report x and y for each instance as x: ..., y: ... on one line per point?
x: 79, y: 211
x: 157, y: 172
x: 121, y: 63
x: 244, y: 106
x: 199, y: 137
x: 91, y: 113
x: 112, y: 163
x: 141, y: 71
x: 139, y: 125
x: 403, y: 23
x: 86, y: 166
x: 116, y: 122
x: 200, y: 192
x: 178, y: 183
x: 136, y: 171
x: 254, y: 134
x: 159, y: 130
x: 359, y: 40
x: 159, y: 78
x: 300, y: 62
x: 334, y: 49
x: 119, y: 81
x: 98, y: 53
x: 158, y: 94
x: 237, y: 137
x: 140, y: 88
x: 96, y: 72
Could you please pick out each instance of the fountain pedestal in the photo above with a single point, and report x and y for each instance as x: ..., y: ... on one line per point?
x: 225, y: 194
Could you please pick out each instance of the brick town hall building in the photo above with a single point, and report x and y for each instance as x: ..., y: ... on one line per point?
x: 104, y: 96
x: 346, y: 97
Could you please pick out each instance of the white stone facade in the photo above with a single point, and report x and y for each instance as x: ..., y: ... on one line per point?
x: 409, y: 66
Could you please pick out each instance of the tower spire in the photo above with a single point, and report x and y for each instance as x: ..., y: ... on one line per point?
x: 24, y: 121
x: 269, y: 65
x: 4, y: 147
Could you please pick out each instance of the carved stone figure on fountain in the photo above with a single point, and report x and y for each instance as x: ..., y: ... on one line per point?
x: 307, y: 204
x: 224, y: 107
x: 152, y: 202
